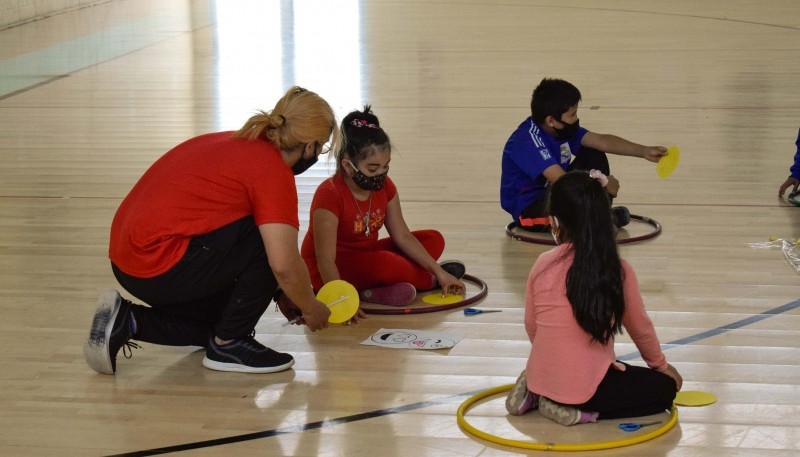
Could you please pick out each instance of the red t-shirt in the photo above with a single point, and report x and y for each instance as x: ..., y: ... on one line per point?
x: 197, y: 187
x: 334, y: 196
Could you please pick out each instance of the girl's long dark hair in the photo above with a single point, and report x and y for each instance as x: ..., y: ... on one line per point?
x: 361, y: 132
x: 594, y: 281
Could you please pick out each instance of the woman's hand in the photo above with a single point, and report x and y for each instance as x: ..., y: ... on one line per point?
x: 316, y: 316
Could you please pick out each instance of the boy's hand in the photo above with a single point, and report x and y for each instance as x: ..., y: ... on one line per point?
x: 654, y: 153
x: 613, y: 186
x: 790, y: 182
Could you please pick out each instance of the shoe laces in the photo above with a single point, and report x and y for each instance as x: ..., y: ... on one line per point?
x: 128, y: 347
x: 252, y: 343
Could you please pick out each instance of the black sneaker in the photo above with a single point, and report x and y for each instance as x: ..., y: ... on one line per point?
x: 245, y: 356
x: 621, y: 216
x: 454, y: 267
x: 110, y: 331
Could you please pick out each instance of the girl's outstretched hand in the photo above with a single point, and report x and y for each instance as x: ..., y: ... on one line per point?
x: 360, y: 314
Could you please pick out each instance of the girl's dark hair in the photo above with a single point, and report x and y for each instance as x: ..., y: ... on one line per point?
x: 361, y: 134
x: 553, y: 97
x: 582, y: 209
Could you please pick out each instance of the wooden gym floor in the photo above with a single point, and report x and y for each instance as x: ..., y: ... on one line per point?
x: 90, y: 98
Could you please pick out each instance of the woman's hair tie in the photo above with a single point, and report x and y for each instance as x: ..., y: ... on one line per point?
x: 598, y: 175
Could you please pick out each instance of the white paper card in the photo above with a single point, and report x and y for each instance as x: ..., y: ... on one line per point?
x: 412, y: 339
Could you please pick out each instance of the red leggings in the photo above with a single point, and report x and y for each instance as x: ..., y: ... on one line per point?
x: 384, y: 264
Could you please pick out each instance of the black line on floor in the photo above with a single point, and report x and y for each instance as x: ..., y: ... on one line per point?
x: 441, y: 401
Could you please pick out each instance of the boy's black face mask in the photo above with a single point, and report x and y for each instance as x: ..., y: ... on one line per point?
x: 568, y: 131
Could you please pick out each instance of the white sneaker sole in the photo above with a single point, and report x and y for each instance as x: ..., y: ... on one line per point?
x: 237, y: 368
x: 95, y: 352
x: 558, y: 413
x: 517, y: 396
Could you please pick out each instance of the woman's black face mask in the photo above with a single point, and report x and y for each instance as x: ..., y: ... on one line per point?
x: 304, y: 164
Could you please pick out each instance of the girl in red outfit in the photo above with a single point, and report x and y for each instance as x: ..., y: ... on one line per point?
x: 349, y: 210
x: 579, y: 295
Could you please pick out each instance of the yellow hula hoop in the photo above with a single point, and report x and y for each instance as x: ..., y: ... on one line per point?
x: 539, y: 446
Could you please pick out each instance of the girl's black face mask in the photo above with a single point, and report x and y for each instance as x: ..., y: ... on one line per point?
x: 371, y: 183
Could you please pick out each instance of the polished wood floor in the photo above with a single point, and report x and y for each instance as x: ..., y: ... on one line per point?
x: 90, y: 98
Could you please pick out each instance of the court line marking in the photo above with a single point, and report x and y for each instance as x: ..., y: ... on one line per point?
x: 441, y: 401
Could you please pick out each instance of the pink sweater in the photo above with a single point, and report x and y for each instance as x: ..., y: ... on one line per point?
x: 565, y: 365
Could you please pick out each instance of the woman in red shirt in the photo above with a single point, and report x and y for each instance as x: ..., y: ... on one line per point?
x: 579, y: 295
x: 349, y: 210
x: 207, y: 235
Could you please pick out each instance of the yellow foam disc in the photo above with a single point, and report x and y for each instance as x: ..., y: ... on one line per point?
x: 437, y: 299
x: 342, y: 299
x: 668, y: 162
x: 694, y: 398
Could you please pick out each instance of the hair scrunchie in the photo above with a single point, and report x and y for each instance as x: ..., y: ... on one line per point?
x: 362, y: 123
x: 598, y: 175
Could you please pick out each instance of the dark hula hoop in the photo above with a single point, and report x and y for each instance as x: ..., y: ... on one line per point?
x: 484, y: 289
x: 550, y: 242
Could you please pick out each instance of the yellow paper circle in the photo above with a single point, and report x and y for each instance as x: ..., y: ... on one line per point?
x: 694, y: 398
x: 668, y: 162
x: 437, y: 299
x: 342, y: 299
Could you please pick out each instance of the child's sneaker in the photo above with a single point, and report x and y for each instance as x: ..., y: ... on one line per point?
x: 400, y: 294
x: 110, y: 331
x: 245, y: 356
x: 454, y: 267
x: 521, y: 400
x: 556, y: 412
x: 620, y: 216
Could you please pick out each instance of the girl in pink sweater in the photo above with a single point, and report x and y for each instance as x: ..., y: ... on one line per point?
x: 579, y: 295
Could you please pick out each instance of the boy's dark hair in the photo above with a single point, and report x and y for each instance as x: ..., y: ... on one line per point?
x: 581, y: 206
x: 361, y: 132
x: 553, y: 97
